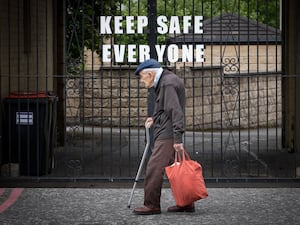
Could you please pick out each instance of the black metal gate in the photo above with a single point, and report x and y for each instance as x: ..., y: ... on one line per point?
x: 229, y: 54
x: 234, y: 92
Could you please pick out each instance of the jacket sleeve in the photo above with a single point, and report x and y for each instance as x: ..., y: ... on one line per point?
x: 175, y: 110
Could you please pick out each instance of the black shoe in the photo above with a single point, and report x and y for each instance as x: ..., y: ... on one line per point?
x: 188, y: 208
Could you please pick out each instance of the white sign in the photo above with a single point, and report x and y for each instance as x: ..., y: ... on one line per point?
x: 165, y: 25
x: 24, y: 118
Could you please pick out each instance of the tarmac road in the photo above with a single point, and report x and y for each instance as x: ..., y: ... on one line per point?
x: 108, y: 206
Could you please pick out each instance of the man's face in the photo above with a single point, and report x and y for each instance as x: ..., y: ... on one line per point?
x: 147, y: 78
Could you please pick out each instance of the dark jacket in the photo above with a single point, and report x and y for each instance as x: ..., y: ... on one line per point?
x: 168, y: 115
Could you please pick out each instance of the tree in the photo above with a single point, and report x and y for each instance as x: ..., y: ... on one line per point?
x: 82, y: 29
x: 264, y: 11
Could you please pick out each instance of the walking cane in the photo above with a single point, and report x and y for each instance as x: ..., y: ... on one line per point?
x: 140, y: 166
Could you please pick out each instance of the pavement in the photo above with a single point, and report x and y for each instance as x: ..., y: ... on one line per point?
x: 108, y: 206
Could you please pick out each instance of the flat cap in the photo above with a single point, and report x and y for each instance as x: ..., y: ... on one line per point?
x: 149, y: 63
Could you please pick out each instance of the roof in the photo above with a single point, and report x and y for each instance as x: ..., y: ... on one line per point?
x: 231, y: 29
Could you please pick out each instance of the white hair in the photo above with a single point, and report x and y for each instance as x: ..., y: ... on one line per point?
x: 155, y: 70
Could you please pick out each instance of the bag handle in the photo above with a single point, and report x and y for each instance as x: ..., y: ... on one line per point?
x: 184, y: 156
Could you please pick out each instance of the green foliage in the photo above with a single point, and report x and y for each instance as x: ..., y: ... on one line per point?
x: 264, y: 11
x: 82, y: 29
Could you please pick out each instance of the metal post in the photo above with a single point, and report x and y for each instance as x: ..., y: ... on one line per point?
x: 152, y: 41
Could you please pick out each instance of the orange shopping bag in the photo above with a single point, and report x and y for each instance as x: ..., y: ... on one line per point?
x: 186, y: 180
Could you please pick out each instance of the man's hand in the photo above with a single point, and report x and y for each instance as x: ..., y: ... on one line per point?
x: 149, y: 122
x: 178, y: 147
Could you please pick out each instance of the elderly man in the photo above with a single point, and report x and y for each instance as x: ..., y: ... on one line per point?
x: 168, y: 128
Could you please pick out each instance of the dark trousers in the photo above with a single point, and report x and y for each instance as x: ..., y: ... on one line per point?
x: 162, y: 156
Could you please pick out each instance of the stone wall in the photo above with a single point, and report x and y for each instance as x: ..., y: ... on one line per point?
x: 114, y: 97
x: 241, y: 58
x: 216, y: 101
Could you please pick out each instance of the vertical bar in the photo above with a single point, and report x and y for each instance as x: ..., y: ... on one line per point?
x: 211, y: 95
x: 222, y: 78
x: 37, y: 90
x: 152, y: 40
x: 27, y: 26
x: 48, y: 119
x: 111, y: 109
x: 1, y: 105
x: 129, y: 100
x: 284, y: 129
x: 82, y: 87
x: 9, y: 88
x: 19, y: 74
x: 26, y: 105
x: 101, y: 104
x: 138, y: 111
x: 60, y: 62
x: 202, y: 95
x: 257, y: 82
x: 193, y: 96
x: 276, y: 82
x: 267, y: 76
x: 92, y: 75
x: 152, y: 35
x: 92, y: 81
x: 239, y: 89
x: 248, y: 87
x: 46, y: 43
